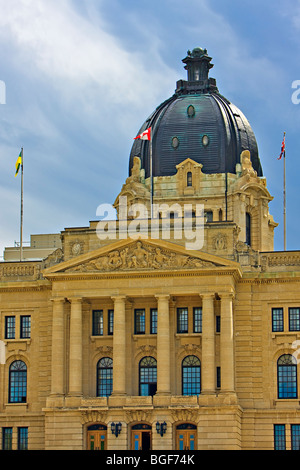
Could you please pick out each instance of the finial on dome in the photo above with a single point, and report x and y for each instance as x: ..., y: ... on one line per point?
x: 198, y: 65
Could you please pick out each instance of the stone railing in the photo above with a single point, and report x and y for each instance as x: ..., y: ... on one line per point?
x: 280, y: 261
x: 27, y: 271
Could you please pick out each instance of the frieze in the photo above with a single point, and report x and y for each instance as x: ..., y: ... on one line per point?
x: 141, y: 256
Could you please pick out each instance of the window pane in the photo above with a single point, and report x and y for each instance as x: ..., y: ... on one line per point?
x: 277, y: 319
x: 153, y: 326
x: 18, y: 382
x: 105, y: 377
x: 110, y: 322
x: 7, y: 438
x: 22, y: 438
x: 287, y: 377
x: 148, y: 376
x: 98, y: 323
x: 25, y: 327
x: 191, y: 376
x: 182, y: 320
x: 198, y: 320
x: 10, y: 327
x: 294, y: 319
x: 279, y: 437
x: 295, y: 432
x: 139, y: 315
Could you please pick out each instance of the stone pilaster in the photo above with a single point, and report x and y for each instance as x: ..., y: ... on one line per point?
x: 163, y: 345
x: 227, y: 343
x: 75, y: 362
x: 208, y: 344
x: 57, y: 364
x: 119, y: 347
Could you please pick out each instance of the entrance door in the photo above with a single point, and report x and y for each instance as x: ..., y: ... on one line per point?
x: 141, y: 435
x: 186, y: 437
x: 96, y: 437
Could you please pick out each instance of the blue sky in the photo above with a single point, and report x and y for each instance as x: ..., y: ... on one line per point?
x: 81, y: 76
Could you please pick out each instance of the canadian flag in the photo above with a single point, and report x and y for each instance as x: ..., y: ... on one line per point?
x: 146, y: 135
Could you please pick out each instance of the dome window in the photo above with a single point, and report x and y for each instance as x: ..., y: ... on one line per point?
x: 205, y: 140
x: 191, y: 111
x: 175, y: 142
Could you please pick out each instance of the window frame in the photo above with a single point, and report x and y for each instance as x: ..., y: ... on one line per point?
x: 10, y: 327
x: 7, y: 439
x: 277, y: 321
x: 25, y: 329
x: 139, y: 326
x: 182, y: 322
x: 287, y: 389
x: 189, y: 376
x: 279, y: 437
x: 105, y: 381
x: 110, y: 322
x: 197, y: 310
x: 19, y: 383
x: 98, y: 323
x: 150, y: 365
x: 296, y: 320
x: 153, y: 321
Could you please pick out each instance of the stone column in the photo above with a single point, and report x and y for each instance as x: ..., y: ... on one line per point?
x: 227, y: 344
x: 57, y: 366
x: 75, y: 361
x: 163, y: 345
x: 119, y: 347
x: 208, y: 370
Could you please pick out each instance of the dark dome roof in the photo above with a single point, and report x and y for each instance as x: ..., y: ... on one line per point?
x: 198, y: 123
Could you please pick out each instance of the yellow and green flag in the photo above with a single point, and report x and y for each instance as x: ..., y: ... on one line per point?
x: 19, y: 163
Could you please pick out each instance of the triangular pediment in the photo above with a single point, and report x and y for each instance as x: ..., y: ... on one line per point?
x: 140, y: 255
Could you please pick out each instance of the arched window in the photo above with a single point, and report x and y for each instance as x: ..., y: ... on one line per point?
x: 148, y: 376
x: 189, y: 179
x: 104, y: 377
x: 287, y: 376
x: 191, y: 376
x: 248, y: 229
x: 18, y: 382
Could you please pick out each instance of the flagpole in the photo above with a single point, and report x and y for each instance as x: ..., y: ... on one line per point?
x: 151, y: 177
x: 21, y: 222
x: 284, y: 201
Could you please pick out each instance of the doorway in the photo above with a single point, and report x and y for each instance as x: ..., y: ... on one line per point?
x: 96, y: 437
x: 141, y: 437
x: 186, y: 437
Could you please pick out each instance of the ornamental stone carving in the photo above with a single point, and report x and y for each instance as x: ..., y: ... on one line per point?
x: 139, y: 256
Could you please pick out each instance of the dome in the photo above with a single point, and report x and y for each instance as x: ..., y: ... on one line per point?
x: 197, y: 122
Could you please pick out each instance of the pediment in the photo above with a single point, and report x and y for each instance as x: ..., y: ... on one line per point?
x: 139, y: 255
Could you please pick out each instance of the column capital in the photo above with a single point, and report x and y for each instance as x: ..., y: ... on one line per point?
x: 74, y: 300
x: 58, y: 299
x: 119, y: 298
x: 162, y: 296
x: 226, y: 295
x: 207, y: 295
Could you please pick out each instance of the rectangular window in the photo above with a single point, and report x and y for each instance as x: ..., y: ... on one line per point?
x: 295, y: 434
x: 153, y: 321
x: 25, y: 327
x: 279, y: 437
x: 197, y: 320
x: 22, y: 438
x: 110, y: 322
x: 139, y: 321
x: 294, y: 319
x: 98, y: 323
x: 218, y: 324
x: 218, y: 377
x: 182, y: 320
x: 277, y: 319
x: 7, y: 438
x: 10, y: 327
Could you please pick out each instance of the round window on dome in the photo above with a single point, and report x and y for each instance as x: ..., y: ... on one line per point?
x: 175, y: 142
x: 191, y: 111
x: 205, y: 140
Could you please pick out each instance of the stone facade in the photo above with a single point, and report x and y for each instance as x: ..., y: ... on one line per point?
x: 197, y: 334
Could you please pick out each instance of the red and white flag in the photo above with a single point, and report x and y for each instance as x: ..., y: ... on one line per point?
x: 282, y: 148
x: 146, y: 135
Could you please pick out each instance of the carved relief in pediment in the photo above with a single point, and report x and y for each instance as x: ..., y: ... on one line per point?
x: 141, y: 256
